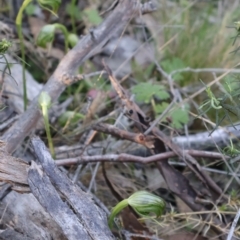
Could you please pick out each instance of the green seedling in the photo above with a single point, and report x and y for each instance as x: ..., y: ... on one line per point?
x: 44, y: 101
x: 143, y: 204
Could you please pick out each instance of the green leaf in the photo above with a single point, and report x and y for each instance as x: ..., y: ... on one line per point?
x: 50, y: 5
x: 145, y: 91
x: 172, y: 65
x: 159, y: 108
x: 46, y: 35
x: 142, y: 74
x: 30, y: 9
x: 93, y: 16
x: 142, y: 202
x: 231, y: 84
x: 145, y: 203
x: 177, y: 117
x: 73, y: 11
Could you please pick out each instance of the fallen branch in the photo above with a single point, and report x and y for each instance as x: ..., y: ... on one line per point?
x: 220, y: 137
x: 139, y: 138
x: 48, y: 183
x: 123, y: 157
x: 49, y: 198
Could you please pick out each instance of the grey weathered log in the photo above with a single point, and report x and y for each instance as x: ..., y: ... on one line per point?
x: 5, y: 189
x: 49, y: 198
x: 220, y: 137
x: 12, y: 234
x: 90, y: 215
x: 13, y: 170
x: 88, y: 46
x: 24, y: 213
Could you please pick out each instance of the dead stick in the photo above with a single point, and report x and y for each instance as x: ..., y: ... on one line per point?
x: 123, y: 157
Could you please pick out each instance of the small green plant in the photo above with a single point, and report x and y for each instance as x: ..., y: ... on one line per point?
x: 74, y: 13
x: 50, y: 5
x: 143, y: 204
x: 231, y: 150
x: 145, y: 91
x: 92, y: 16
x: 213, y: 102
x: 226, y: 106
x: 176, y: 117
x: 46, y: 35
x: 45, y: 102
x: 172, y: 65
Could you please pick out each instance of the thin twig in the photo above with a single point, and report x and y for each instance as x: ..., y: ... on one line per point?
x: 123, y: 157
x: 211, y: 70
x: 206, y: 169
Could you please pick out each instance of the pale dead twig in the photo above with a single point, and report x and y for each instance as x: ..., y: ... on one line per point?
x: 123, y: 157
x: 234, y: 223
x: 207, y: 169
x: 211, y: 70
